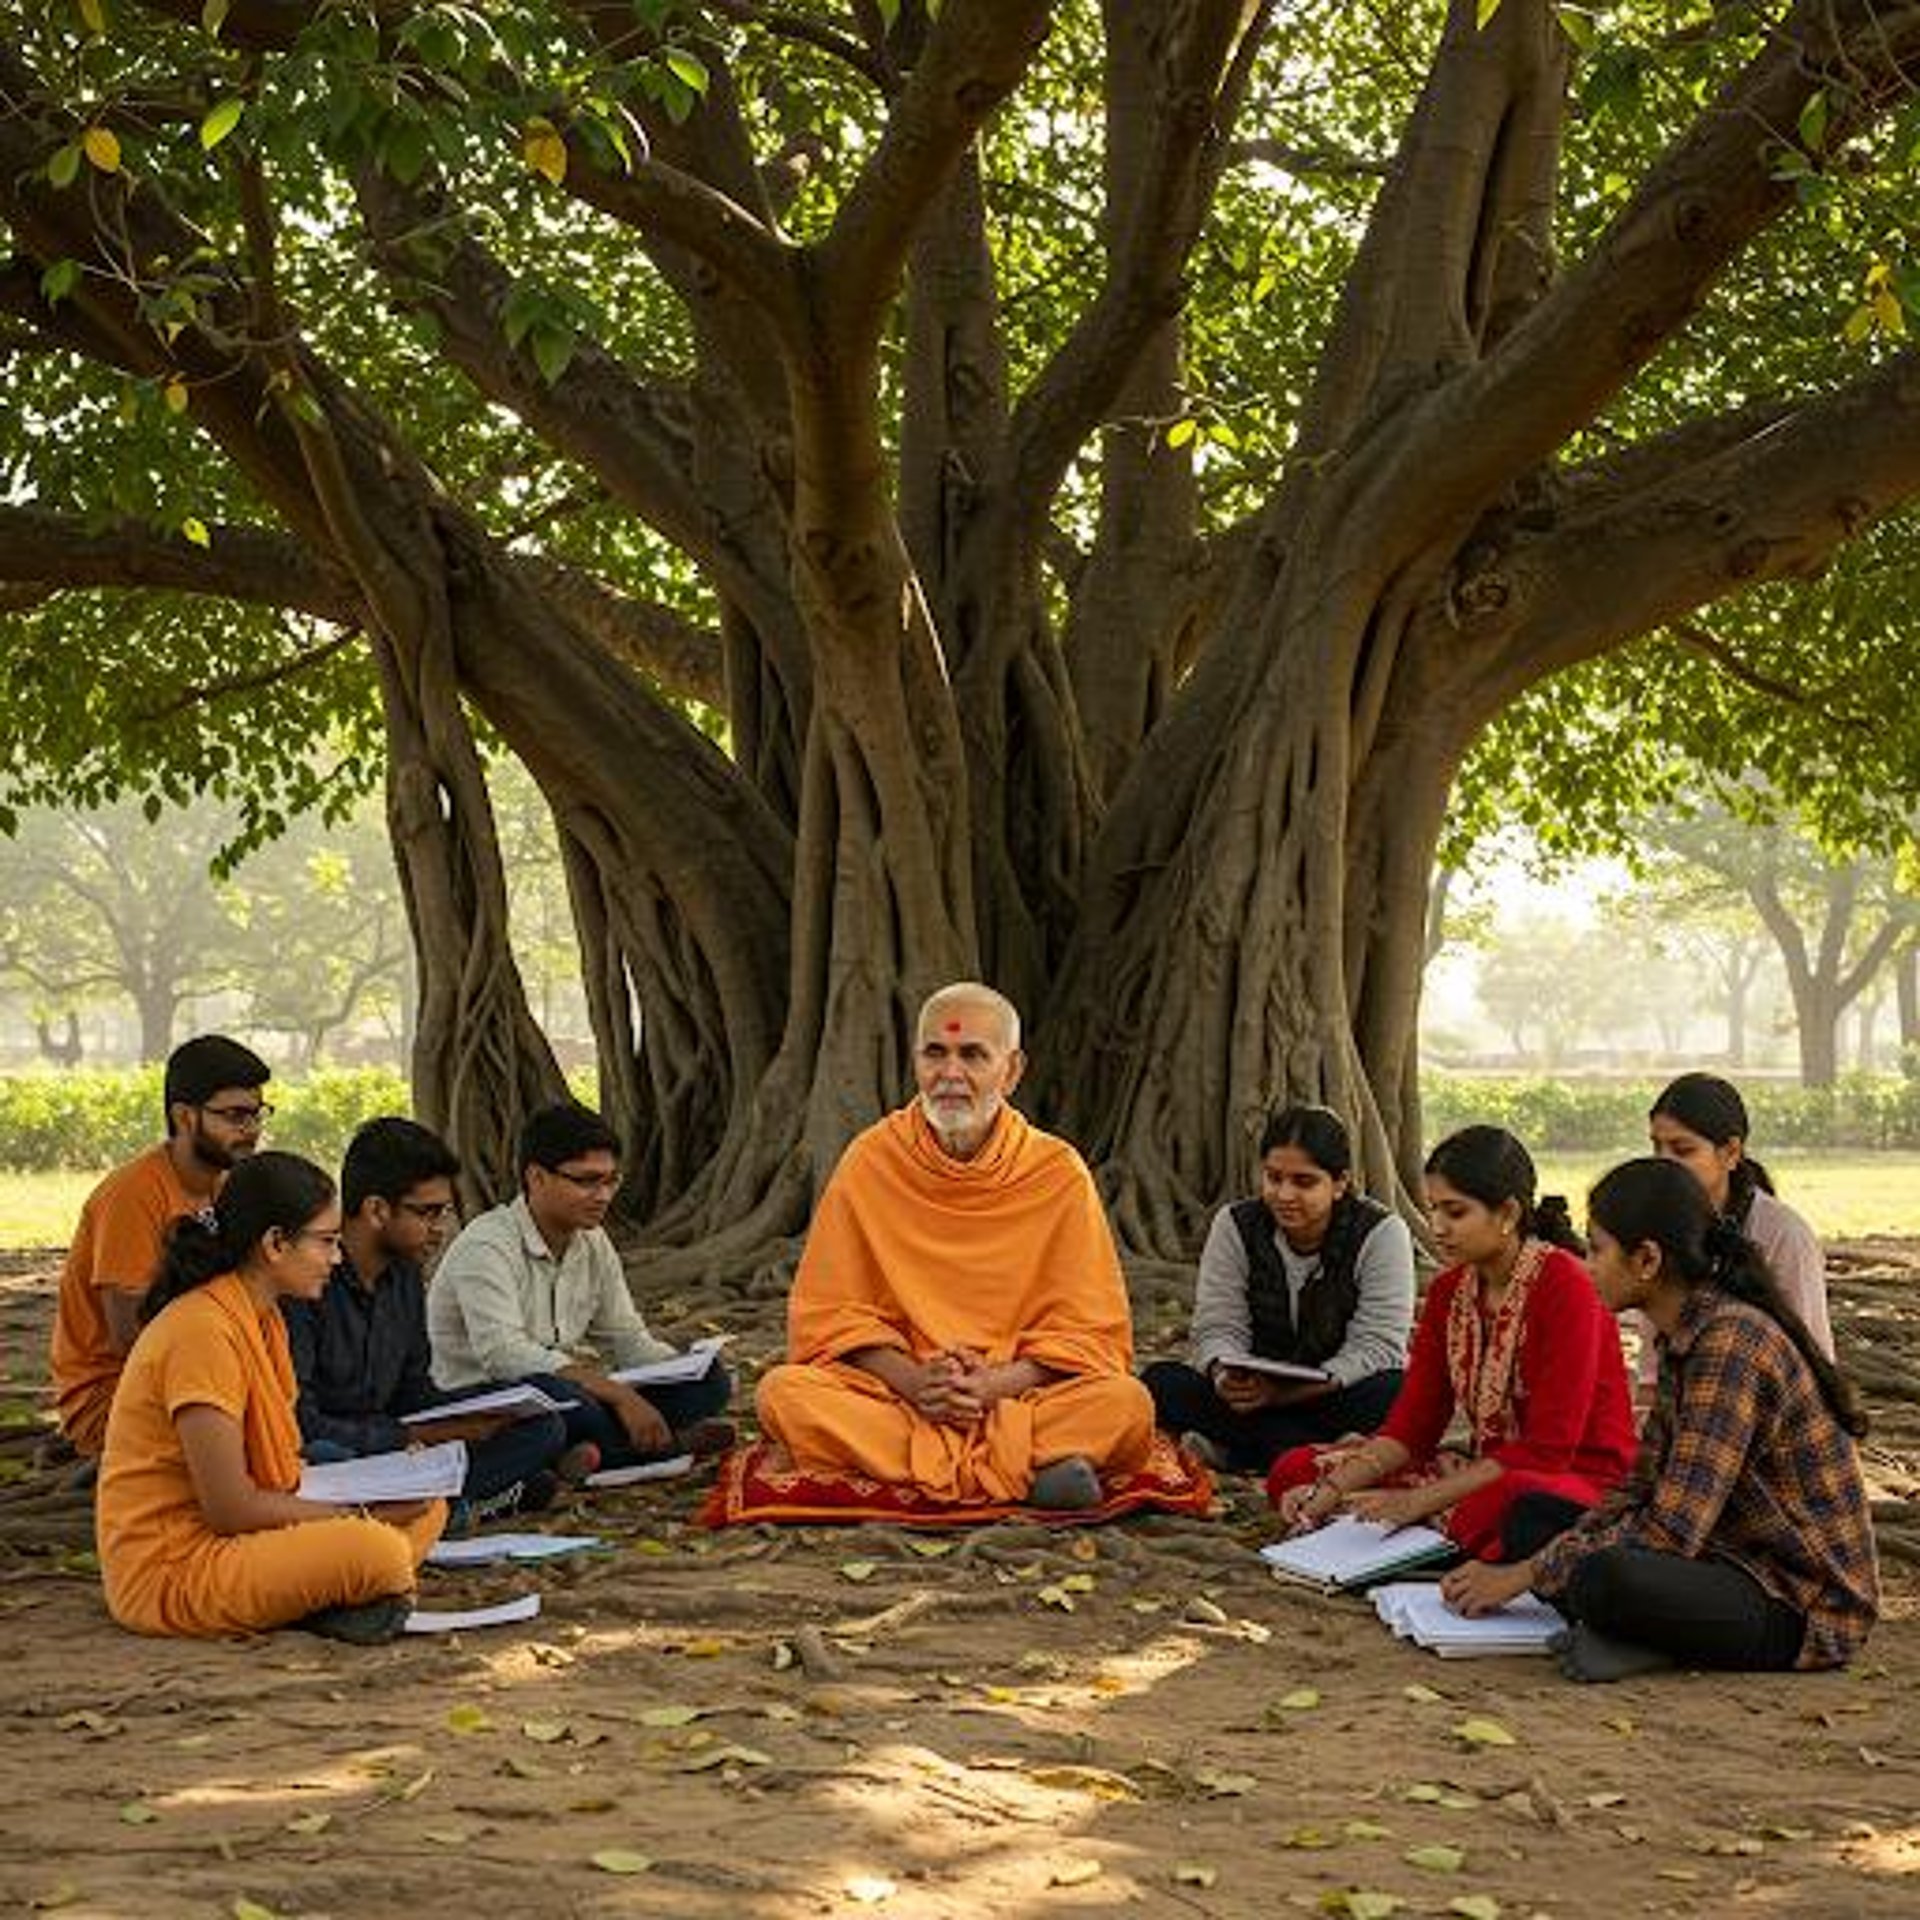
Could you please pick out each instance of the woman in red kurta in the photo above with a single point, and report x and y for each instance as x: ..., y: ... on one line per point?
x: 1512, y: 1337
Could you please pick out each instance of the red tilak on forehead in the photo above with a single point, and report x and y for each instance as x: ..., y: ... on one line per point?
x: 953, y: 1026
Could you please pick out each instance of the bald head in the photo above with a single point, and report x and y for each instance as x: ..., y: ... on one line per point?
x: 971, y: 996
x: 966, y: 1061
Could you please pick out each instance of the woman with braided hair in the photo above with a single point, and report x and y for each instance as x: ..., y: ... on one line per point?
x: 1511, y: 1338
x: 1742, y: 1539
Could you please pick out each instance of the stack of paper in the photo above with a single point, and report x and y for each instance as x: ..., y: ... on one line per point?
x: 1417, y: 1611
x: 521, y: 1401
x: 1353, y: 1553
x: 677, y: 1367
x: 485, y: 1549
x: 420, y: 1473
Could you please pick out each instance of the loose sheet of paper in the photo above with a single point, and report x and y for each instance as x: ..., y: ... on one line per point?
x: 420, y: 1473
x: 487, y: 1549
x: 643, y: 1470
x: 423, y: 1620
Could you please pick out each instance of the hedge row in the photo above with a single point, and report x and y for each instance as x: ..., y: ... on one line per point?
x: 1862, y: 1113
x: 100, y: 1117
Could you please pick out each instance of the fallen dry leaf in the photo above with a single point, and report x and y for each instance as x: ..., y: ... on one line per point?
x: 869, y: 1889
x: 467, y: 1718
x: 1484, y: 1733
x: 1189, y: 1873
x: 1074, y: 1873
x: 620, y: 1860
x: 1436, y: 1859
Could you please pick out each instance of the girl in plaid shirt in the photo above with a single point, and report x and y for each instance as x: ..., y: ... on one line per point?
x: 1742, y: 1539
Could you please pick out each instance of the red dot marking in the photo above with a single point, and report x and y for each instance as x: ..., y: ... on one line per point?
x: 953, y: 1026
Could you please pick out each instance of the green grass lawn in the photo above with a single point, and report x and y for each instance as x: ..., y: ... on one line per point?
x: 1842, y: 1194
x: 39, y: 1209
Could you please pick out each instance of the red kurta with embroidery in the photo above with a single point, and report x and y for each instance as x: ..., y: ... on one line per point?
x: 1540, y: 1381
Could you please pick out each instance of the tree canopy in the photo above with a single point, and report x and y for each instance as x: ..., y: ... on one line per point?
x: 1050, y: 491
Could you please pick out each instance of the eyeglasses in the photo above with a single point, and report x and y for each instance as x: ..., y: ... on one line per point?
x: 429, y: 1209
x: 242, y: 1116
x: 587, y: 1182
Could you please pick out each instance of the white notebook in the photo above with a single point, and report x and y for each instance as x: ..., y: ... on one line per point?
x: 1417, y: 1611
x: 694, y: 1364
x: 1353, y: 1553
x: 420, y: 1473
x: 487, y: 1549
x: 1277, y: 1369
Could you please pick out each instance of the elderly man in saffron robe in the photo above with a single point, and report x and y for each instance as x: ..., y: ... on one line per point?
x: 959, y: 1322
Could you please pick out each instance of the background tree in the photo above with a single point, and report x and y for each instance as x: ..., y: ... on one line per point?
x: 1101, y: 527
x: 114, y: 905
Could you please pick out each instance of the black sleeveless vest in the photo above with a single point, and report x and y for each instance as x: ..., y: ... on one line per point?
x: 1332, y: 1289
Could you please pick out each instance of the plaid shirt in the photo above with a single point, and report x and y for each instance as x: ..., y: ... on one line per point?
x: 1743, y: 1461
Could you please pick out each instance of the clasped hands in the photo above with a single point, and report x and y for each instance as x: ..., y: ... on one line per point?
x: 958, y: 1386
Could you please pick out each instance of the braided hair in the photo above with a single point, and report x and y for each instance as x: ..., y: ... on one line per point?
x: 265, y: 1191
x: 1489, y: 1165
x: 1658, y: 1202
x: 1705, y: 1104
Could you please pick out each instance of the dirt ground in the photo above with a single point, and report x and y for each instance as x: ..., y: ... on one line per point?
x: 1014, y: 1723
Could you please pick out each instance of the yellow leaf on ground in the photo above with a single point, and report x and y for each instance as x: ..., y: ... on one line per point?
x: 310, y: 1823
x: 467, y: 1718
x: 1300, y: 1700
x: 1421, y: 1694
x: 1074, y: 1873
x: 1475, y: 1906
x: 1484, y: 1733
x: 668, y: 1716
x: 136, y: 1813
x: 1436, y: 1859
x: 857, y: 1570
x: 245, y: 1909
x: 619, y: 1860
x: 544, y: 1731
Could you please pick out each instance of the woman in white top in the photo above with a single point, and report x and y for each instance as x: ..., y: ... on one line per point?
x: 1701, y: 1122
x: 1308, y: 1274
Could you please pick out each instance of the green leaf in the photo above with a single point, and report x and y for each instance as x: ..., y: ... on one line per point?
x: 1182, y: 431
x: 688, y: 68
x: 1577, y: 24
x: 194, y: 530
x: 467, y: 1718
x: 59, y: 280
x: 1813, y: 122
x: 220, y: 122
x: 213, y: 16
x: 63, y: 165
x: 1436, y: 1859
x: 552, y: 350
x: 1487, y: 9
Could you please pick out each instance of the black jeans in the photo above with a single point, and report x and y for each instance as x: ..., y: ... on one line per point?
x: 1184, y: 1401
x: 680, y: 1405
x: 1704, y: 1613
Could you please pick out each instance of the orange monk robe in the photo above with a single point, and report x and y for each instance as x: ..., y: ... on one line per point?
x: 165, y: 1570
x: 1007, y: 1254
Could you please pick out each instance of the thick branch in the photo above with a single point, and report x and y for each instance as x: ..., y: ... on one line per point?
x: 1717, y: 187
x: 655, y: 640
x: 972, y: 60
x: 237, y: 563
x: 1166, y: 199
x: 1773, y: 505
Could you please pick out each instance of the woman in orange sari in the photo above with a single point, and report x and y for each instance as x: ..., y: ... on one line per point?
x: 201, y: 1528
